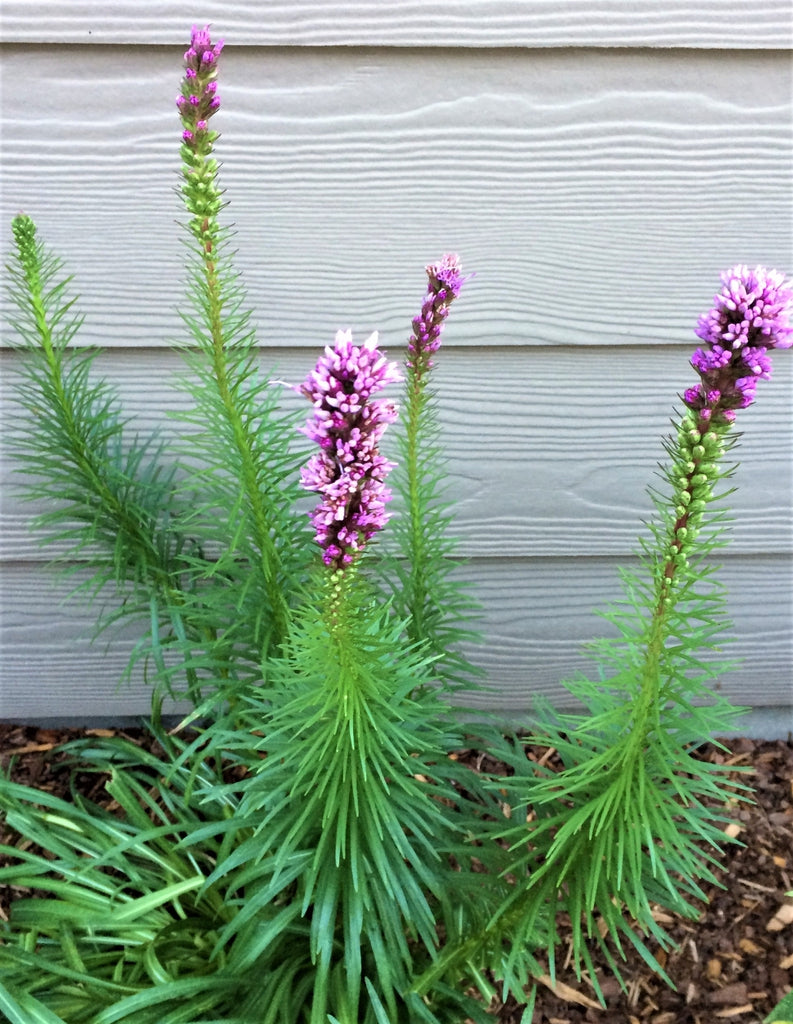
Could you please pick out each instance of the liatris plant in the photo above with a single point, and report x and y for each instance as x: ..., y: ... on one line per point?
x: 419, y: 575
x: 305, y: 847
x: 629, y: 823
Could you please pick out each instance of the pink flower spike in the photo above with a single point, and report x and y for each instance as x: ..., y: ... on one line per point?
x: 199, y: 88
x: 750, y: 316
x: 200, y: 38
x: 347, y: 424
x: 445, y: 279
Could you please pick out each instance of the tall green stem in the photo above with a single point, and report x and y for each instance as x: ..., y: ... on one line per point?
x: 87, y: 461
x: 197, y: 103
x: 699, y: 447
x: 417, y: 592
x: 270, y: 560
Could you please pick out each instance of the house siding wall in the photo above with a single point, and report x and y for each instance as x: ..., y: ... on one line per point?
x: 595, y: 163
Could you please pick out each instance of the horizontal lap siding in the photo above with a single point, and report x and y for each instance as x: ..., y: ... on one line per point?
x: 537, y: 615
x: 596, y: 193
x: 415, y: 23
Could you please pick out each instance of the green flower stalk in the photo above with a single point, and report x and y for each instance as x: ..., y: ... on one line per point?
x: 445, y: 281
x: 82, y: 414
x: 248, y: 438
x: 212, y: 555
x: 419, y: 571
x: 346, y: 824
x: 113, y: 503
x: 750, y: 316
x: 197, y: 102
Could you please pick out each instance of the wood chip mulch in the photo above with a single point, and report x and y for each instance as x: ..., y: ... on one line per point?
x: 733, y: 964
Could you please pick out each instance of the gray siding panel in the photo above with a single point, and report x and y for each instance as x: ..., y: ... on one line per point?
x: 537, y: 615
x: 596, y: 194
x: 415, y: 23
x: 550, y: 451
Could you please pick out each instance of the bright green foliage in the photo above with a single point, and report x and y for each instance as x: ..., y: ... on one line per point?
x: 247, y: 477
x: 782, y: 1012
x: 353, y: 804
x: 311, y: 885
x: 127, y: 925
x: 203, y: 543
x: 111, y: 501
x: 100, y: 492
x: 423, y: 571
x: 629, y: 823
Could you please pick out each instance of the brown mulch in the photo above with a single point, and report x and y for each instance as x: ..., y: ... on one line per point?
x: 733, y: 964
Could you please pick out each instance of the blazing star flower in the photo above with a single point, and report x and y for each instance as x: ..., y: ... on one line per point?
x: 199, y: 99
x: 347, y: 424
x: 751, y: 315
x: 445, y: 282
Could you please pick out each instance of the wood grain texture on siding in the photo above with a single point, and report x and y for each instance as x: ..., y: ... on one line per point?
x: 596, y: 194
x: 536, y: 617
x: 549, y: 452
x: 417, y: 23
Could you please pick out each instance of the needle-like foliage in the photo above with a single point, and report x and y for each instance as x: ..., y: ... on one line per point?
x: 110, y: 502
x: 634, y: 820
x: 353, y: 808
x: 247, y: 472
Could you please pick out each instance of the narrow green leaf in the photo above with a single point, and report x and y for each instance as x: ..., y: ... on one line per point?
x: 24, y: 1009
x: 159, y: 995
x: 144, y: 904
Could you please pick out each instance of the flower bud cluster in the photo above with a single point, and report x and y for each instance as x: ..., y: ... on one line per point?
x: 24, y: 231
x: 347, y: 424
x: 750, y: 316
x: 696, y: 469
x: 199, y: 99
x: 445, y: 282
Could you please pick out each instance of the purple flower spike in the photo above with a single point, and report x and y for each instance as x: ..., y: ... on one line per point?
x: 445, y: 282
x: 751, y: 315
x: 752, y: 309
x: 348, y: 471
x: 199, y: 100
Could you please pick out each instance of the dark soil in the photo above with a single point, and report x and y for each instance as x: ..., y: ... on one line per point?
x: 733, y: 964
